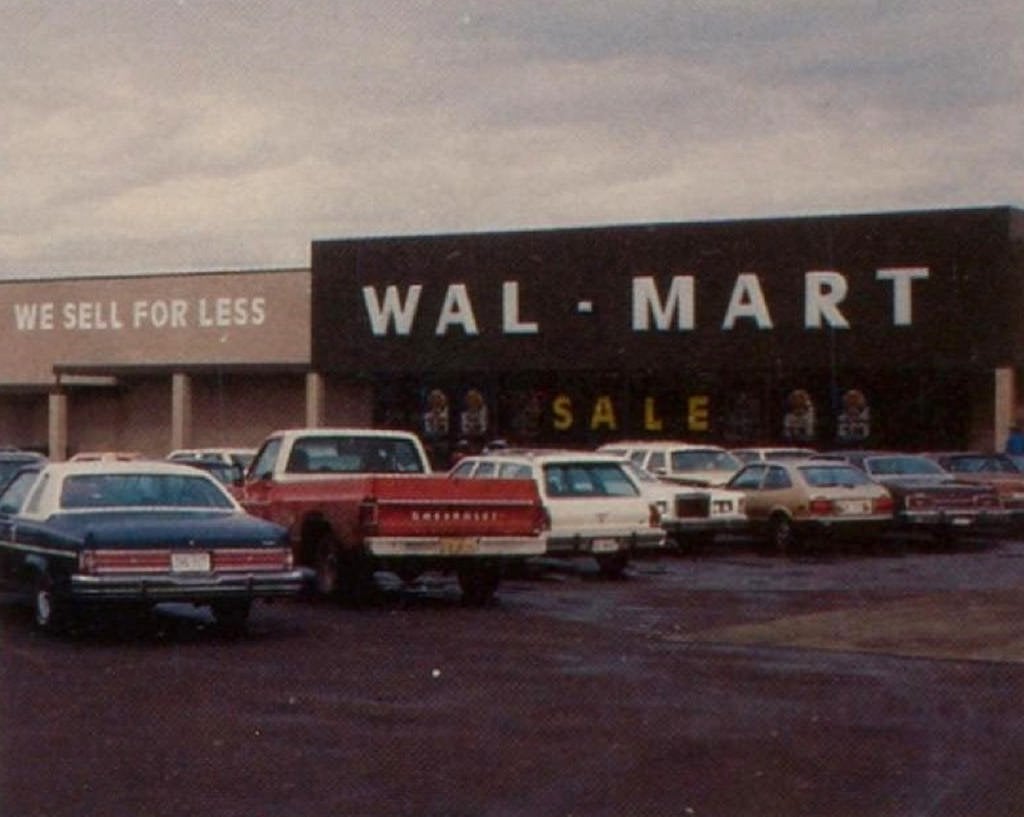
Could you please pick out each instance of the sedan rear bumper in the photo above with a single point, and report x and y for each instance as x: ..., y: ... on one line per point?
x: 198, y: 589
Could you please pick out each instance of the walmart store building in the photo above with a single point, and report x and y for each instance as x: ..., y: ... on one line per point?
x: 901, y: 330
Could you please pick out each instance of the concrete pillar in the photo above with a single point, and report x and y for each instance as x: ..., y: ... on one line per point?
x: 1005, y: 405
x: 314, y: 400
x: 181, y: 410
x: 58, y: 426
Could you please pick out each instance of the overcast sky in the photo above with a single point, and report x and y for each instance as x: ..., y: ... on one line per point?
x: 143, y: 136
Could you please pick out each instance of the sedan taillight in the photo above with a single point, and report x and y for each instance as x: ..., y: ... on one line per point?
x: 820, y: 507
x: 919, y: 502
x: 654, y: 517
x: 883, y: 505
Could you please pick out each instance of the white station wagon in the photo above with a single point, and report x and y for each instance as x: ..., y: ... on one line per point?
x: 596, y: 506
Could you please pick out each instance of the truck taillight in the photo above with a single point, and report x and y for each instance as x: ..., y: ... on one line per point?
x: 369, y: 516
x: 543, y: 517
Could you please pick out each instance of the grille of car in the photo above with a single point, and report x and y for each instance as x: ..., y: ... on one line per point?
x: 692, y: 506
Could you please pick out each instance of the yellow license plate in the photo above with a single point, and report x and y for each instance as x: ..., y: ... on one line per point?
x: 459, y: 546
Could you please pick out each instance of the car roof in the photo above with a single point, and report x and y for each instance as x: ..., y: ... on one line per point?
x: 12, y: 455
x: 181, y: 452
x: 662, y: 444
x: 542, y: 455
x: 342, y: 431
x: 140, y: 466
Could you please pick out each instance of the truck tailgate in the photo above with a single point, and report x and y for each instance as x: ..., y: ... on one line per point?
x: 439, y: 506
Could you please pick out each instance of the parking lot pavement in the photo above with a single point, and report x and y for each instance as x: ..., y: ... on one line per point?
x: 727, y: 684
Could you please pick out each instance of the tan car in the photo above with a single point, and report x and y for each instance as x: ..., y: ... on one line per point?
x: 793, y: 502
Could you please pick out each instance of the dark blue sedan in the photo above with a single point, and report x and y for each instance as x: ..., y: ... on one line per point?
x: 129, y: 535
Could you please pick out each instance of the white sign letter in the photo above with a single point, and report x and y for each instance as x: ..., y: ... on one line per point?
x: 902, y: 308
x: 457, y: 309
x: 510, y: 311
x: 823, y: 291
x: 747, y: 301
x: 381, y: 316
x: 647, y: 304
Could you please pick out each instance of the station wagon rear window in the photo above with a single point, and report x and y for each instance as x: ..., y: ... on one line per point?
x: 588, y: 479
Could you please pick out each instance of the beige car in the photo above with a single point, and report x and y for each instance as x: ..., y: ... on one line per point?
x: 793, y: 502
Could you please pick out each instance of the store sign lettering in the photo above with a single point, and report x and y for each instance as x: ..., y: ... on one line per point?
x: 654, y: 309
x: 602, y: 414
x: 156, y: 313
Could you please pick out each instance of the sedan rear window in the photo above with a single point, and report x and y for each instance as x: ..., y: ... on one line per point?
x: 82, y: 491
x: 830, y: 476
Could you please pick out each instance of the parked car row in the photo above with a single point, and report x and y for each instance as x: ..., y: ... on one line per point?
x: 323, y: 510
x: 788, y: 496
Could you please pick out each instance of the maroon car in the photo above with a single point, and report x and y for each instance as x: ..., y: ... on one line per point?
x: 928, y: 498
x: 994, y: 469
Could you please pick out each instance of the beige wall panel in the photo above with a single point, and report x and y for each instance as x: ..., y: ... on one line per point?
x: 24, y: 421
x: 194, y: 319
x: 135, y: 416
x: 347, y: 403
x: 240, y: 410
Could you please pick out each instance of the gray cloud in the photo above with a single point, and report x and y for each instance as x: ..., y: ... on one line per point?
x: 145, y: 136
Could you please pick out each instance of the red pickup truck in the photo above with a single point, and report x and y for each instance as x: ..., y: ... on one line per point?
x: 356, y: 501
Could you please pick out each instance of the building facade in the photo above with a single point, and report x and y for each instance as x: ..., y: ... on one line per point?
x: 900, y: 330
x: 895, y: 330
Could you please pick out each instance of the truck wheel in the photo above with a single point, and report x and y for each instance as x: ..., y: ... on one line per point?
x: 612, y: 565
x: 478, y: 584
x: 327, y: 567
x: 52, y: 613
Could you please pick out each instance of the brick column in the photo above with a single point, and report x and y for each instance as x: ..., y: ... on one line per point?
x: 181, y: 410
x: 1005, y: 406
x: 314, y: 400
x: 58, y: 426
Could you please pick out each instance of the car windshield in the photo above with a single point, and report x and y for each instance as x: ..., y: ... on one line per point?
x: 704, y: 460
x: 81, y: 491
x: 903, y: 466
x: 831, y: 476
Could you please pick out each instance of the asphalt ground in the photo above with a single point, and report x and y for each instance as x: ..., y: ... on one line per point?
x: 721, y: 683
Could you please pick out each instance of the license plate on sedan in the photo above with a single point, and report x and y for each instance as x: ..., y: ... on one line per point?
x: 854, y: 506
x: 190, y: 562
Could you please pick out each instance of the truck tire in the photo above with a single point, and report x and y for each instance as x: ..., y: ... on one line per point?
x: 326, y: 564
x: 342, y: 574
x: 479, y: 583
